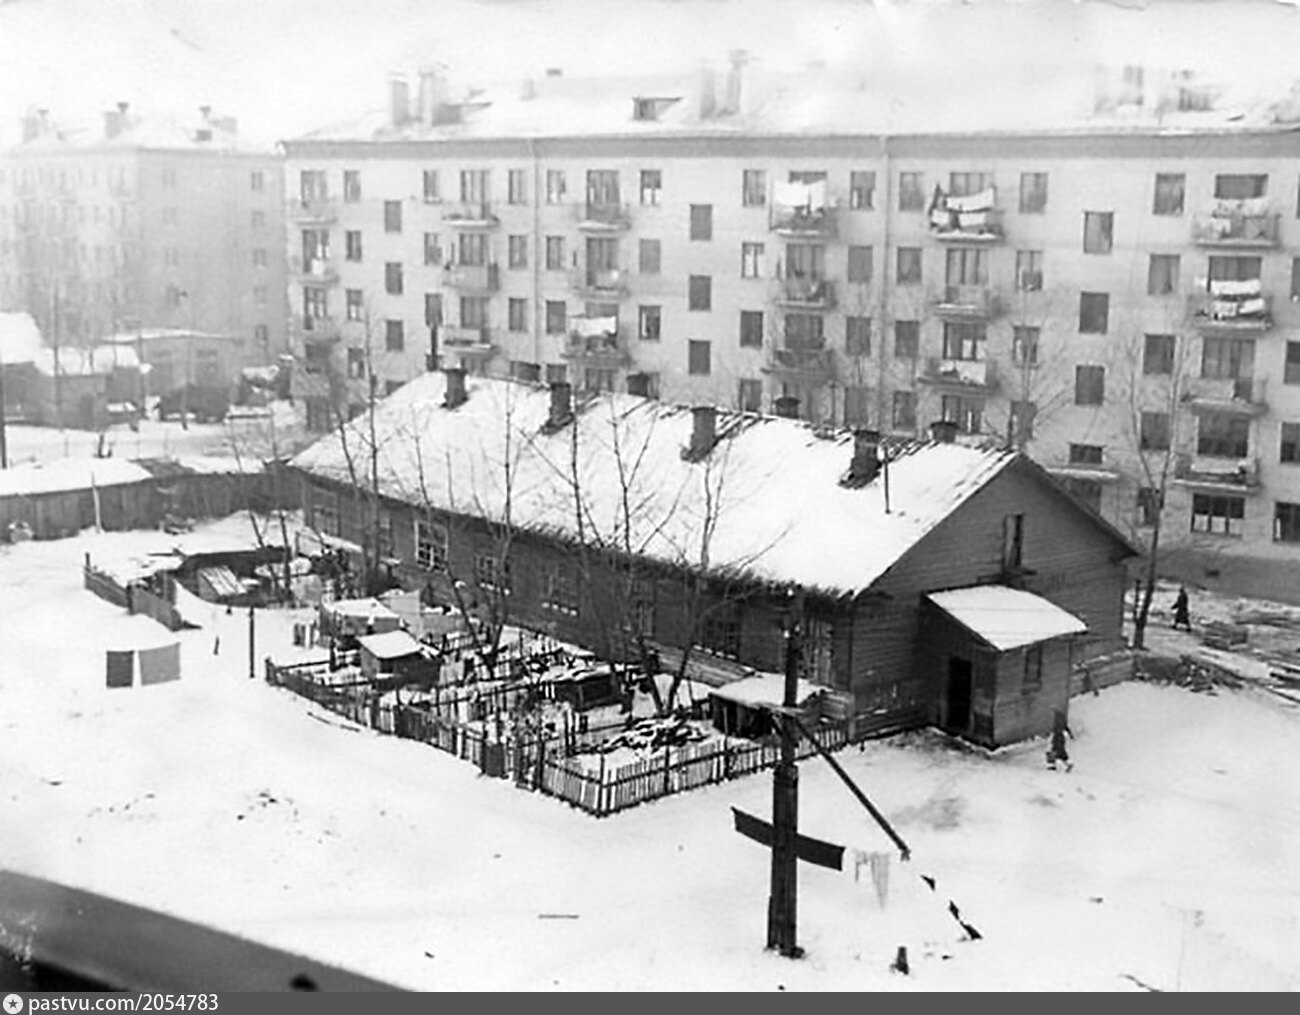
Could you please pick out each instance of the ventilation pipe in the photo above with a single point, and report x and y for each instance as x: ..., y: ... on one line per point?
x: 705, y: 432
x: 865, y: 464
x: 787, y: 406
x: 561, y: 404
x: 399, y: 101
x: 455, y: 377
x: 735, y: 81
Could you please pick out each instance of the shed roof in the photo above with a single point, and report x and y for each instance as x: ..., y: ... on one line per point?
x: 764, y: 689
x: 390, y: 645
x: 1007, y: 618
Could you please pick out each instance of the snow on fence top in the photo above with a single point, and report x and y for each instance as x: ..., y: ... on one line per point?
x: 765, y: 501
x: 69, y: 474
x: 1007, y: 618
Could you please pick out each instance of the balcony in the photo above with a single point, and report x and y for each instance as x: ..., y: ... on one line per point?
x: 318, y: 329
x: 316, y: 211
x: 472, y: 278
x: 966, y: 218
x: 805, y: 293
x: 314, y: 271
x: 1220, y: 475
x: 595, y: 341
x: 960, y: 374
x: 470, y: 215
x: 967, y: 302
x: 467, y: 343
x: 600, y: 217
x: 1236, y: 229
x: 804, y: 222
x: 1227, y: 311
x: 604, y: 284
x: 801, y: 366
x: 1241, y: 396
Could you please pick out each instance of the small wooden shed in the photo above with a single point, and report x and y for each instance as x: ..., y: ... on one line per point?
x: 740, y: 708
x: 395, y: 659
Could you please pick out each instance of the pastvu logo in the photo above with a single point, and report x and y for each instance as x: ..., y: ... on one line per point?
x: 13, y: 1004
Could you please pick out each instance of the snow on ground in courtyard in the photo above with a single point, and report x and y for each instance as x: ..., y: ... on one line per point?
x: 1169, y: 856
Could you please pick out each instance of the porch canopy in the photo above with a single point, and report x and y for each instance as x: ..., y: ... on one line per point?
x: 1007, y: 618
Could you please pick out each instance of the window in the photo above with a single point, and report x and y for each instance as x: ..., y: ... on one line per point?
x: 516, y: 187
x: 963, y: 340
x: 1291, y: 366
x: 1024, y: 345
x: 1033, y: 671
x: 1098, y: 232
x: 904, y: 410
x: 907, y: 339
x: 492, y: 574
x: 259, y: 257
x: 603, y: 188
x: 352, y: 245
x: 1158, y: 355
x: 560, y: 589
x: 857, y: 336
x: 652, y: 187
x: 473, y: 186
x: 911, y: 192
x: 432, y: 251
x: 557, y: 373
x: 1148, y: 505
x: 356, y: 308
x: 259, y: 295
x: 356, y: 363
x: 966, y: 267
x: 750, y: 396
x: 967, y: 413
x: 1162, y: 275
x: 394, y: 336
x: 473, y: 311
x: 1020, y: 421
x: 1228, y: 358
x: 1221, y: 435
x: 1286, y: 522
x: 751, y: 260
x: 1289, y: 451
x: 325, y: 512
x: 392, y: 216
x: 557, y: 317
x: 1235, y: 269
x: 1094, y: 313
x: 432, y: 309
x: 256, y: 220
x: 701, y: 222
x: 312, y: 185
x: 393, y: 278
x: 909, y: 265
x: 315, y: 303
x: 1013, y: 541
x: 1085, y: 454
x: 966, y: 184
x: 1154, y: 431
x: 517, y: 251
x: 698, y: 358
x: 1233, y: 187
x: 1170, y: 188
x: 751, y: 329
x: 521, y: 370
x: 261, y: 334
x: 257, y: 180
x: 1217, y: 515
x: 857, y: 404
x: 472, y: 249
x: 862, y: 190
x: 431, y: 545
x: 1089, y: 385
x: 859, y: 268
x: 753, y: 188
x: 648, y: 322
x: 351, y: 186
x: 1033, y: 193
x: 700, y: 292
x: 555, y: 253
x: 517, y: 314
x: 648, y: 257
x: 719, y: 628
x: 555, y: 186
x: 804, y: 331
x: 432, y: 188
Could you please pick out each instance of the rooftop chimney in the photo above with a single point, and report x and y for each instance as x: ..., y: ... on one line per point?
x: 787, y: 406
x: 639, y: 385
x: 561, y: 405
x: 554, y: 72
x: 705, y: 92
x: 433, y: 95
x: 205, y: 111
x: 735, y: 81
x: 455, y: 395
x: 865, y: 464
x: 399, y: 102
x: 944, y: 431
x: 705, y: 433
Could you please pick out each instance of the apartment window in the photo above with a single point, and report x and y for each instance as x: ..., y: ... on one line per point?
x: 1221, y: 435
x: 261, y: 334
x: 473, y: 186
x: 394, y: 335
x: 355, y: 305
x: 911, y: 192
x: 1286, y: 522
x: 1228, y: 358
x: 516, y: 187
x: 557, y: 317
x: 315, y: 303
x: 1033, y: 193
x: 648, y: 322
x: 1289, y: 451
x: 1162, y: 274
x: 1235, y: 269
x: 963, y: 340
x: 603, y: 189
x: 1094, y: 313
x: 598, y: 379
x: 257, y: 180
x: 1240, y: 187
x: 966, y: 267
x: 805, y: 331
x: 432, y: 310
x: 857, y: 336
x: 521, y: 370
x: 700, y: 292
x: 432, y: 251
x: 393, y: 278
x: 1013, y: 541
x: 859, y: 268
x: 751, y: 260
x: 652, y: 187
x: 907, y: 339
x: 648, y: 252
x: 1154, y: 431
x: 560, y: 590
x: 1020, y: 421
x: 312, y: 185
x: 1291, y: 366
x: 1158, y: 355
x: 474, y: 311
x: 750, y: 396
x: 857, y: 404
x: 701, y: 222
x: 903, y: 415
x: 1098, y: 232
x: 966, y: 184
x: 1032, y: 680
x: 555, y: 186
x: 1029, y: 270
x: 431, y: 545
x: 1218, y: 515
x: 1089, y: 385
x: 1148, y: 505
x: 517, y: 251
x: 517, y: 314
x: 356, y: 363
x: 173, y: 295
x: 862, y: 190
x: 555, y: 253
x: 753, y: 188
x: 1170, y: 190
x: 698, y: 358
x: 967, y: 413
x: 909, y: 265
x: 751, y: 329
x: 1085, y: 454
x: 491, y: 573
x: 352, y: 245
x: 392, y: 216
x: 432, y: 187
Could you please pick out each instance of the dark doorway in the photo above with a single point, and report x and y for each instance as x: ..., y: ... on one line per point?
x: 959, y: 693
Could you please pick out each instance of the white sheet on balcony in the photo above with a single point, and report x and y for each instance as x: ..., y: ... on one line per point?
x: 983, y: 201
x: 810, y: 196
x: 1234, y: 287
x: 595, y: 327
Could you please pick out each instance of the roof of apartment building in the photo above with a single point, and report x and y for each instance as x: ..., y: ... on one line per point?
x: 123, y: 129
x: 772, y: 493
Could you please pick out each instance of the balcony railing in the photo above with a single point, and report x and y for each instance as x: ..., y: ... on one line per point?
x: 976, y: 302
x: 1243, y: 396
x: 315, y: 271
x: 960, y: 373
x: 470, y: 215
x: 319, y: 329
x: 600, y: 217
x: 1238, y: 475
x: 1230, y: 313
x: 607, y: 283
x: 804, y: 221
x: 1236, y: 229
x: 982, y: 226
x: 319, y: 209
x: 810, y: 366
x: 485, y: 278
x: 810, y: 293
x: 594, y: 343
x: 467, y: 341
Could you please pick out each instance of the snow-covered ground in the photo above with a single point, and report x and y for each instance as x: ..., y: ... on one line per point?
x: 1169, y: 857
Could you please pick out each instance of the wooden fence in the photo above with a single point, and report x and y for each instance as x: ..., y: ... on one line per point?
x: 134, y: 597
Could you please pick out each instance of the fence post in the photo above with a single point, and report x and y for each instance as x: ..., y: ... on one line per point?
x: 667, y: 770
x: 600, y: 789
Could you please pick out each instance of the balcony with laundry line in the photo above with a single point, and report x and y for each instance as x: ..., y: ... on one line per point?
x: 1248, y: 222
x: 802, y: 210
x: 969, y: 218
x: 1231, y: 306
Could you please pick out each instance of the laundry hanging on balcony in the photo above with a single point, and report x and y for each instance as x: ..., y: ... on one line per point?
x: 595, y: 327
x: 804, y: 197
x: 968, y: 213
x: 1231, y: 299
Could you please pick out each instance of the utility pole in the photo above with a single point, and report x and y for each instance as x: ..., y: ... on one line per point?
x: 252, y: 664
x: 782, y: 903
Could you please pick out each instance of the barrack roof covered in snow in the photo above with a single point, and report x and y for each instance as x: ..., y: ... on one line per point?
x: 769, y: 489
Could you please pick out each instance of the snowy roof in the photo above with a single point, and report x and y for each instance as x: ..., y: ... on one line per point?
x: 764, y: 689
x: 69, y: 474
x: 1007, y: 618
x: 20, y: 338
x: 369, y: 609
x: 130, y: 338
x: 390, y: 645
x: 86, y: 362
x: 222, y: 581
x: 769, y: 491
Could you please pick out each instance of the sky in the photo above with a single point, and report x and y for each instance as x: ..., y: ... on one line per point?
x: 284, y: 67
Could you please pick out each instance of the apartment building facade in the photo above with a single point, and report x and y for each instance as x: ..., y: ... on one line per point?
x: 144, y: 225
x: 1118, y: 301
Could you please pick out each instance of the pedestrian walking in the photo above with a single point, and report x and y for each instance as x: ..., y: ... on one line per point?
x: 1057, y: 754
x: 1181, y: 617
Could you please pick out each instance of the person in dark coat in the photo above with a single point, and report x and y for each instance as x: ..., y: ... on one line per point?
x: 1181, y: 617
x: 1057, y: 752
